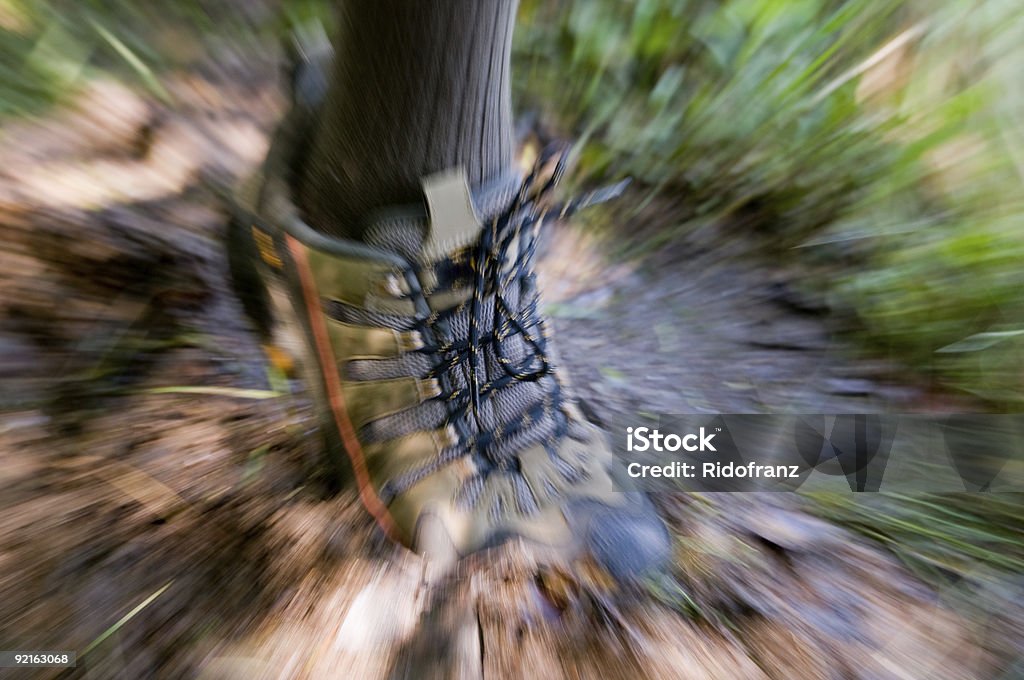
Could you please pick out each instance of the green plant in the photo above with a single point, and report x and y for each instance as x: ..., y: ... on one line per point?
x: 881, y: 140
x: 936, y: 535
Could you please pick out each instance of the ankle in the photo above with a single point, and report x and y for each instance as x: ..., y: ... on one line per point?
x: 406, y: 101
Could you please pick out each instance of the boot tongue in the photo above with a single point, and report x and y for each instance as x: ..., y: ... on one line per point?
x: 454, y: 216
x: 450, y: 221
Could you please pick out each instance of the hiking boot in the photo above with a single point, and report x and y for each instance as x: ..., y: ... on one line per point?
x: 433, y: 373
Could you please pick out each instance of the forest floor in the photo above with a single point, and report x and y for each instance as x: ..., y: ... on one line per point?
x: 163, y: 532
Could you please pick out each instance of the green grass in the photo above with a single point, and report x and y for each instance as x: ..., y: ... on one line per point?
x: 49, y: 48
x: 937, y: 533
x: 968, y: 548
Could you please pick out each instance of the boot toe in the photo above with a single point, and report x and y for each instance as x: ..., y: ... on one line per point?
x: 629, y: 542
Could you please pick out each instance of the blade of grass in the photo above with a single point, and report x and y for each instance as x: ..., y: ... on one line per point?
x: 124, y: 619
x: 215, y: 391
x: 144, y: 72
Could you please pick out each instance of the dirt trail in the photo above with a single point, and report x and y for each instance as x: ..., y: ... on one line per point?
x: 205, y: 507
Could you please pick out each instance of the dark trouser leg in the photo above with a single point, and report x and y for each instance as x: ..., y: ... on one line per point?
x: 417, y: 86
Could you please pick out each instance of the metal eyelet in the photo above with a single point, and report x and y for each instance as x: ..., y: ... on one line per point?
x: 410, y: 341
x: 393, y: 286
x: 446, y: 437
x: 428, y: 389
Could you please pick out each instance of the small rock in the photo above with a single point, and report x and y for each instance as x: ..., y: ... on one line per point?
x: 790, y: 530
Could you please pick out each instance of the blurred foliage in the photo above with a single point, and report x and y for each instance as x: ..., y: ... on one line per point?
x: 49, y: 48
x: 882, y: 140
x: 940, y: 537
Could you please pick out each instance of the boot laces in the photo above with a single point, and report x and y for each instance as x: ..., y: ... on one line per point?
x: 500, y: 262
x: 503, y: 257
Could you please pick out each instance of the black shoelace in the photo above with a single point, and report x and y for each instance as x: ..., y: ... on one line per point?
x: 500, y: 262
x: 505, y: 255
